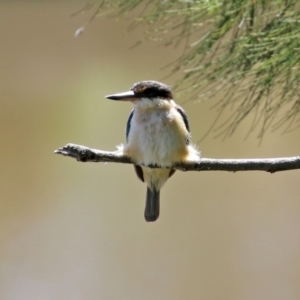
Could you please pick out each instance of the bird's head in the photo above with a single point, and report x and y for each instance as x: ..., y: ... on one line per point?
x: 145, y: 93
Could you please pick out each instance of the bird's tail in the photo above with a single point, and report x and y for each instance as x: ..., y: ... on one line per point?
x: 152, y: 205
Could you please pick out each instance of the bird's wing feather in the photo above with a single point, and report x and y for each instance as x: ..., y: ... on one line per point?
x: 186, y: 123
x: 184, y: 117
x: 139, y: 172
x: 138, y: 169
x: 128, y: 125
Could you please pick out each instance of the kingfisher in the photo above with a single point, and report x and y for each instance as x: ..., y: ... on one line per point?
x: 157, y: 135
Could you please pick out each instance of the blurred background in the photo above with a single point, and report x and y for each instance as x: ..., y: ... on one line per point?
x: 72, y: 230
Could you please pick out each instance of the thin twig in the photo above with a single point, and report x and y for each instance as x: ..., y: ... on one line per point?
x: 271, y: 165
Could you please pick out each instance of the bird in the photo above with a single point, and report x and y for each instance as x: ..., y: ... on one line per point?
x: 157, y: 135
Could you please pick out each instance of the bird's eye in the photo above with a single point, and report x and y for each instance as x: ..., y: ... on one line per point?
x: 150, y: 92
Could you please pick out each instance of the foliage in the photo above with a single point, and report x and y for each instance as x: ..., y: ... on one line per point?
x: 247, y: 51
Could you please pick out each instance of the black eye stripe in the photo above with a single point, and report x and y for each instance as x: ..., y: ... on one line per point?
x: 151, y: 92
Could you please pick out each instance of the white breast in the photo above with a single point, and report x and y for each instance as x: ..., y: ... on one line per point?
x: 157, y: 136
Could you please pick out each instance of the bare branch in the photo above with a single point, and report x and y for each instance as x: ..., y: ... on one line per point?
x: 271, y: 165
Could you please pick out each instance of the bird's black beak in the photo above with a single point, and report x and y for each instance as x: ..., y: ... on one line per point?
x: 126, y: 96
